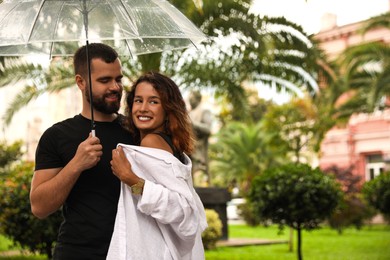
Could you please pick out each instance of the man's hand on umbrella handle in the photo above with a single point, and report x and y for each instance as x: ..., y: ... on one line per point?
x: 88, y: 153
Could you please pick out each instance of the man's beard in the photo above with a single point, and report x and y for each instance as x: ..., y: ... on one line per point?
x: 101, y: 105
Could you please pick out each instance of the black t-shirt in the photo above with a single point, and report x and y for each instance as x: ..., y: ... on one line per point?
x: 90, y: 209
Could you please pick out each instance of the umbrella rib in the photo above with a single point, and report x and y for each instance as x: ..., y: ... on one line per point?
x: 196, y: 47
x: 128, y: 47
x: 9, y: 12
x: 131, y: 19
x: 55, y: 28
x: 126, y: 41
x: 134, y: 27
x: 128, y: 15
x: 35, y: 20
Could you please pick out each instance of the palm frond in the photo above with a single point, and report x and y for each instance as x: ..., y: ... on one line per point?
x: 382, y: 20
x: 27, y: 94
x: 36, y: 79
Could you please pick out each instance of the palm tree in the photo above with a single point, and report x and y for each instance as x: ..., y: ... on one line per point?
x: 382, y: 20
x: 262, y: 50
x: 242, y: 152
x: 366, y: 70
x: 268, y: 50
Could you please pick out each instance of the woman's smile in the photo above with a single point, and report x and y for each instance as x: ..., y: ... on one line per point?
x: 148, y: 112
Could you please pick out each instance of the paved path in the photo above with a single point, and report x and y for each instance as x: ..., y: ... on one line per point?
x: 14, y: 253
x: 249, y: 242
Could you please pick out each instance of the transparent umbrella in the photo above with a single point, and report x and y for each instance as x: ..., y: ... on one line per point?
x: 58, y: 28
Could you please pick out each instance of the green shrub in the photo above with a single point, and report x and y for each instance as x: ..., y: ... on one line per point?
x: 8, y: 155
x: 213, y: 232
x: 246, y: 211
x: 377, y: 193
x: 352, y: 210
x: 16, y: 219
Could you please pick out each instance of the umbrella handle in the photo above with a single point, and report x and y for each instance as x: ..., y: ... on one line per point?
x: 85, y: 15
x: 90, y: 89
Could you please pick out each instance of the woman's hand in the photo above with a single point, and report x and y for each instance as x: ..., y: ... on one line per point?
x: 121, y: 167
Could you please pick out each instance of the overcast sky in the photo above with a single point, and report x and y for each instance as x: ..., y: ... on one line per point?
x: 308, y: 13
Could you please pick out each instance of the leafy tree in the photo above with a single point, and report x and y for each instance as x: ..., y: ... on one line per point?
x: 377, y: 193
x: 257, y: 109
x: 294, y: 195
x: 300, y: 125
x: 295, y: 121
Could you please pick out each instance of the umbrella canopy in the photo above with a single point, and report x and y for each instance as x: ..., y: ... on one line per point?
x: 58, y: 28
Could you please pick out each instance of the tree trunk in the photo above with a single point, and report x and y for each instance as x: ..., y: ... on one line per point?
x: 291, y: 240
x: 49, y: 251
x: 299, y: 243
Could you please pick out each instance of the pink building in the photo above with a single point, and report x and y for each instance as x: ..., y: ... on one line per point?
x: 365, y: 141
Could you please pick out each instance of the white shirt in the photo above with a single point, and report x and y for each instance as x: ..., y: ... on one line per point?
x: 167, y: 220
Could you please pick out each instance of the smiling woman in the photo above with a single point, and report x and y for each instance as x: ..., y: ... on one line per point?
x: 157, y: 193
x: 147, y: 113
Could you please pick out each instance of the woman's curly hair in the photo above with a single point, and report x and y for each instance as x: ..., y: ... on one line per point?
x: 178, y: 124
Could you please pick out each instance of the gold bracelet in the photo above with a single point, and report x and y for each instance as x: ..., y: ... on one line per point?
x: 138, y: 188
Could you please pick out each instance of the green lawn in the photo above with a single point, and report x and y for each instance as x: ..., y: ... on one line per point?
x: 5, y: 244
x: 370, y: 243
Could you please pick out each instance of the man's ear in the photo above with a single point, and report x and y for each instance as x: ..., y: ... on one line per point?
x: 80, y: 82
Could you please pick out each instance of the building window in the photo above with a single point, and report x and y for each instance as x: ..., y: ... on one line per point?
x: 374, y: 166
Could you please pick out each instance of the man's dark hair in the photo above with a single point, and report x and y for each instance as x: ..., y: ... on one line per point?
x: 95, y: 51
